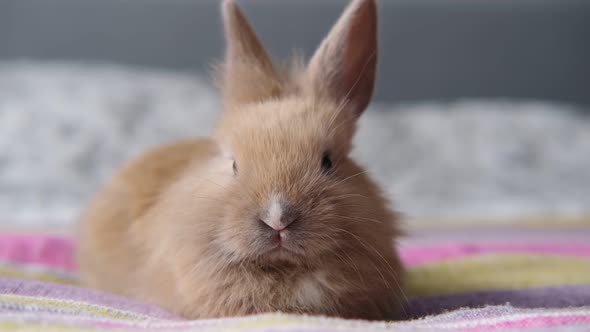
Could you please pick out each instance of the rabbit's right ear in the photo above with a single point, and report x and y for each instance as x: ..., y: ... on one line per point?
x: 248, y: 74
x: 344, y: 66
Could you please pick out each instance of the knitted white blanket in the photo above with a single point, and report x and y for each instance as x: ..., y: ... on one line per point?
x: 65, y: 127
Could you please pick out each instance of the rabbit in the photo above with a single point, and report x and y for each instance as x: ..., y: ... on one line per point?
x: 269, y: 214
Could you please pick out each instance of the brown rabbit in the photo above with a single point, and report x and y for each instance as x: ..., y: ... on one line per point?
x: 269, y: 215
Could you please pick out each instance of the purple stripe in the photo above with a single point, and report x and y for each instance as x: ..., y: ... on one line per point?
x: 551, y: 297
x: 56, y: 291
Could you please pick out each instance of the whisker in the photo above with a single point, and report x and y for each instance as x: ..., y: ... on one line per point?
x: 355, y: 218
x: 390, y: 268
x: 348, y: 178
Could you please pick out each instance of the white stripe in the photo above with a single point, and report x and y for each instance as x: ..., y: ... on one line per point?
x: 275, y: 212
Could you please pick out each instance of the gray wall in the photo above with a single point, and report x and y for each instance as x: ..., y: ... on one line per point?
x: 431, y: 49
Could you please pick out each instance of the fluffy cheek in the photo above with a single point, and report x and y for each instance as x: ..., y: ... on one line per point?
x: 316, y: 238
x: 238, y: 236
x: 327, y: 229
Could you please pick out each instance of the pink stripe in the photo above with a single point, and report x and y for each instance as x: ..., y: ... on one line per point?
x: 58, y: 251
x: 48, y: 250
x: 536, y: 322
x: 418, y: 255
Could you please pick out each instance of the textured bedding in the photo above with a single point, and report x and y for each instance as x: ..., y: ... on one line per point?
x: 468, y: 280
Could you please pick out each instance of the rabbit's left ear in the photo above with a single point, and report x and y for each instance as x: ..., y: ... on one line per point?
x: 345, y: 64
x: 248, y: 73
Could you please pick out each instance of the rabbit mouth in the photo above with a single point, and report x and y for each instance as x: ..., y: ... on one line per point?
x: 283, y: 251
x: 287, y: 249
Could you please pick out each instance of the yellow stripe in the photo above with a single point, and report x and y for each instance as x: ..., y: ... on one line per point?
x: 7, y: 272
x: 483, y: 223
x: 254, y: 324
x: 21, y: 327
x: 491, y: 272
x: 69, y: 305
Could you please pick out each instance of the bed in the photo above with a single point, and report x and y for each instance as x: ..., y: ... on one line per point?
x: 490, y: 279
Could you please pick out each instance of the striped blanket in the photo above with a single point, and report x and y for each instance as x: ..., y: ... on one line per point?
x: 470, y: 280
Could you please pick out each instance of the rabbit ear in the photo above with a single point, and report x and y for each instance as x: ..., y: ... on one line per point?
x: 248, y: 74
x: 344, y: 66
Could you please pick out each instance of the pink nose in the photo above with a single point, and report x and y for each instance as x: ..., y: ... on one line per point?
x: 278, y: 215
x: 277, y: 225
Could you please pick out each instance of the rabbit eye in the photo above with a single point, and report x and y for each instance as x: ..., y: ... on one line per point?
x: 326, y: 163
x: 235, y: 168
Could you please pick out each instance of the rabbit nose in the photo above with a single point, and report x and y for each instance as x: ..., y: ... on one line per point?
x: 279, y: 215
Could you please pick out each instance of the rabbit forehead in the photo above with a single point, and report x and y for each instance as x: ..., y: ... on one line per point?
x: 294, y: 128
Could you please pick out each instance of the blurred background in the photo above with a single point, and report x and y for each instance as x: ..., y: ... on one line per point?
x: 481, y: 112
